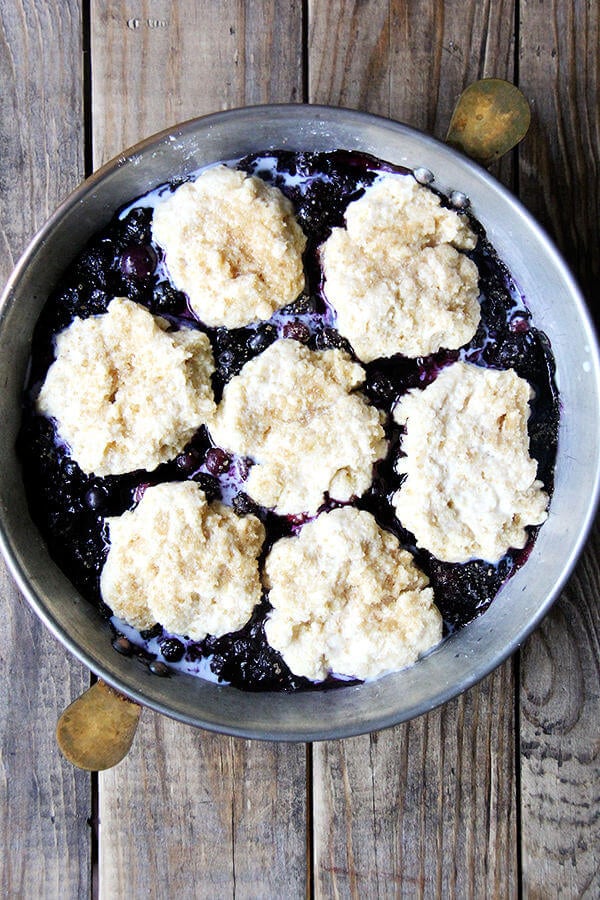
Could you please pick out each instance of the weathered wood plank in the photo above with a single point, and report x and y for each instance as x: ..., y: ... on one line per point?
x: 406, y: 60
x: 206, y: 815
x: 45, y: 802
x: 44, y: 832
x: 173, y: 61
x: 560, y: 742
x: 559, y: 73
x: 425, y: 809
x: 560, y: 682
x: 409, y: 61
x: 428, y: 808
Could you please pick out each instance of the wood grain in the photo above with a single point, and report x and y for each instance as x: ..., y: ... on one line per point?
x: 205, y: 815
x: 422, y: 810
x: 560, y: 684
x: 408, y: 60
x: 172, y: 61
x: 428, y: 808
x: 560, y: 742
x: 559, y: 163
x: 45, y: 803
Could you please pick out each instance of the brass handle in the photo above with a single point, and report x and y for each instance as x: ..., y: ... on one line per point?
x: 96, y: 731
x: 490, y: 118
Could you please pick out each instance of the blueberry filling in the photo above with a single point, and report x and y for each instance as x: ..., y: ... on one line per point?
x: 69, y: 507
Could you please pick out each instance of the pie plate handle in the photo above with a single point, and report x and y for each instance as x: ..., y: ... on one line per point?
x: 490, y: 118
x: 96, y: 731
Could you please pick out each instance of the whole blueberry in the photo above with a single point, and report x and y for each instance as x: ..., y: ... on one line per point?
x: 380, y: 388
x: 189, y: 460
x: 149, y: 633
x: 96, y: 497
x: 217, y: 461
x: 92, y: 267
x: 226, y: 358
x: 244, y: 505
x: 222, y: 338
x: 208, y: 484
x: 172, y: 649
x: 140, y: 262
x: 296, y: 331
x: 262, y: 338
x: 135, y: 227
x: 330, y: 339
x: 70, y: 468
x: 233, y: 358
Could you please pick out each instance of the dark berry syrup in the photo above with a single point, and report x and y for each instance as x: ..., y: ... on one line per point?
x: 70, y: 507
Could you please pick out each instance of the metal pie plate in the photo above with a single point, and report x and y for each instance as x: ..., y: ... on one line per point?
x: 557, y: 307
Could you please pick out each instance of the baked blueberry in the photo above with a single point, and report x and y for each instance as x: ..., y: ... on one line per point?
x: 138, y: 261
x: 172, y: 649
x: 217, y: 461
x: 296, y: 331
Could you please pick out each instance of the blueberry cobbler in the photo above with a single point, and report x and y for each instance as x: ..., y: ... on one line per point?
x: 288, y: 423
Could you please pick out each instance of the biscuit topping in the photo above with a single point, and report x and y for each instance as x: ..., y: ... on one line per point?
x: 348, y: 599
x: 302, y: 450
x: 395, y: 276
x: 177, y: 560
x: 470, y: 488
x: 293, y: 412
x: 233, y: 244
x: 126, y: 393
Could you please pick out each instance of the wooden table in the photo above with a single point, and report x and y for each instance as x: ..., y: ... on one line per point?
x: 495, y: 794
